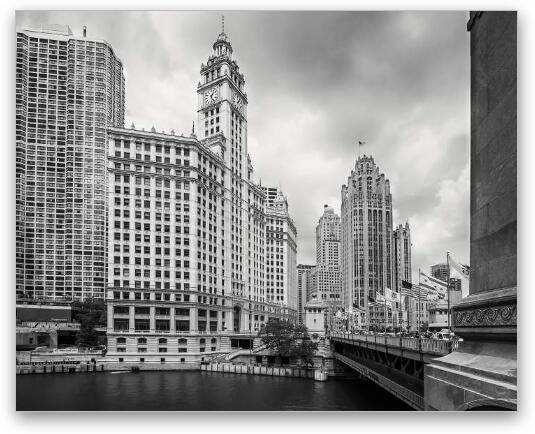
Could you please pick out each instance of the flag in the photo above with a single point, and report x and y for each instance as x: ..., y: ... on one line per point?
x: 433, y: 285
x: 379, y: 297
x: 409, y: 290
x: 463, y: 270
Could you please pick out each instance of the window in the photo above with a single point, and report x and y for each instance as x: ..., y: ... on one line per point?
x: 121, y: 360
x: 122, y: 310
x: 162, y: 360
x: 120, y: 324
x: 162, y: 341
x: 121, y: 341
x: 182, y: 325
x: 142, y: 324
x: 142, y: 341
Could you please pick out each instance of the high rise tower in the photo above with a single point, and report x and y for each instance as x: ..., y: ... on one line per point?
x: 281, y: 253
x: 402, y: 255
x: 68, y: 91
x: 366, y: 237
x: 222, y: 111
x: 327, y: 272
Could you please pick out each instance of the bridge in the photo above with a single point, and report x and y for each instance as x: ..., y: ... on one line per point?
x: 394, y: 363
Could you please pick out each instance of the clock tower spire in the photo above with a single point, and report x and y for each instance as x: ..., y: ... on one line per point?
x: 222, y: 117
x: 222, y: 102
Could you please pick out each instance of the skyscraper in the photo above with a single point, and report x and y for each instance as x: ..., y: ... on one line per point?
x: 403, y: 271
x: 366, y: 240
x: 199, y: 258
x: 304, y: 290
x: 68, y: 91
x: 440, y: 271
x: 327, y: 273
x: 402, y: 255
x: 281, y: 253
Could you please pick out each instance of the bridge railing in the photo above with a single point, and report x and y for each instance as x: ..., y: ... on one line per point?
x: 424, y: 345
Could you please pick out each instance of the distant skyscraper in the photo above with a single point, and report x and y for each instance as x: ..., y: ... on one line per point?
x: 402, y: 255
x: 441, y: 271
x: 281, y: 253
x: 68, y: 91
x: 366, y: 238
x: 327, y: 273
x: 304, y: 283
x: 403, y: 268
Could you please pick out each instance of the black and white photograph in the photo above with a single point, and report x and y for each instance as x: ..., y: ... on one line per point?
x: 264, y: 211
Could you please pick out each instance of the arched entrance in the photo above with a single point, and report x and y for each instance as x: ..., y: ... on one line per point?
x: 237, y: 318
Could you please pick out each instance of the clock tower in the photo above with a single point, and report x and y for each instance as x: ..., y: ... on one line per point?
x: 222, y: 117
x: 222, y: 104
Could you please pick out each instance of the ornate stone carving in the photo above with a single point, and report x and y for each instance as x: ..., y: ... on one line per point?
x: 488, y: 316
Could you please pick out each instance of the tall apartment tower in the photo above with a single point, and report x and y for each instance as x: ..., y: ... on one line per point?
x: 442, y: 271
x: 304, y: 282
x: 403, y: 271
x: 68, y: 91
x: 366, y: 237
x: 281, y: 253
x: 402, y: 255
x: 327, y: 272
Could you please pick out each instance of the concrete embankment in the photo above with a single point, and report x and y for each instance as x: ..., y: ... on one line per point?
x: 59, y: 368
x: 315, y: 374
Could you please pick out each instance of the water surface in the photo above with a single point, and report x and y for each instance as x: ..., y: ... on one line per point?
x: 195, y: 390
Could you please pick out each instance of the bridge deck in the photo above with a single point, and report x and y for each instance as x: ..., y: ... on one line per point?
x: 430, y: 347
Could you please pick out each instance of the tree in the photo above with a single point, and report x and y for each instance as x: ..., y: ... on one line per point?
x: 90, y: 313
x: 286, y: 339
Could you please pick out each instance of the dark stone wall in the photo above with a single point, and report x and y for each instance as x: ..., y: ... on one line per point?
x: 493, y: 202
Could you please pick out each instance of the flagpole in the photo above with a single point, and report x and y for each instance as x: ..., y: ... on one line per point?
x: 448, y: 290
x: 419, y: 305
x: 409, y: 312
x: 386, y: 313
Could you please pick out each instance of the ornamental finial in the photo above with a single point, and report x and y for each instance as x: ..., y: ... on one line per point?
x: 222, y: 23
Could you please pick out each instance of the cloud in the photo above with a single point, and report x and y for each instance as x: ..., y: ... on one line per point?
x: 445, y: 225
x: 316, y: 83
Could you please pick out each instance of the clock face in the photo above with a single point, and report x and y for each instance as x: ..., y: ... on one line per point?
x: 211, y: 96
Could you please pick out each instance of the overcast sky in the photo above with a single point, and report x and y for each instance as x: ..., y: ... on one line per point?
x: 316, y: 83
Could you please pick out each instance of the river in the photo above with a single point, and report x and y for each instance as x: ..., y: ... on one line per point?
x: 195, y: 390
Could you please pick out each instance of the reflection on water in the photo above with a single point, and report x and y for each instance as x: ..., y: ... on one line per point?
x: 194, y: 390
